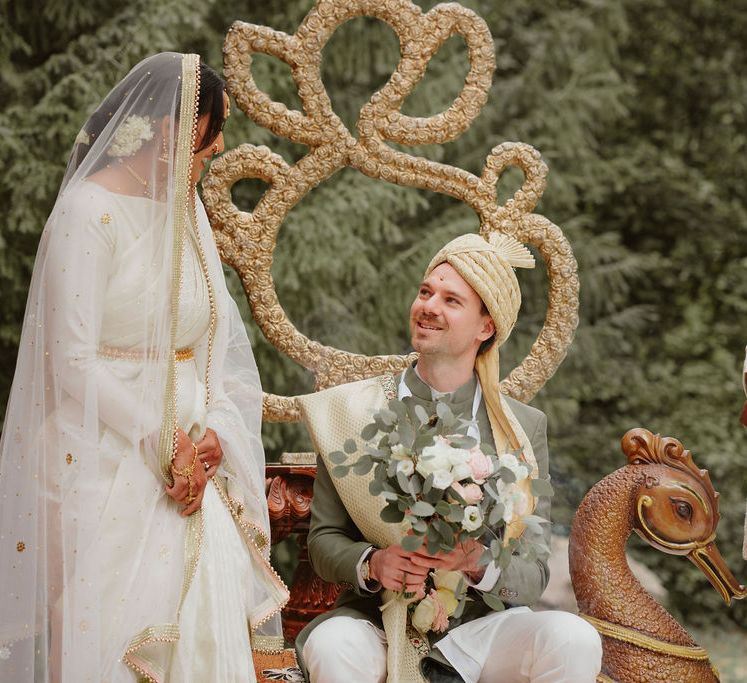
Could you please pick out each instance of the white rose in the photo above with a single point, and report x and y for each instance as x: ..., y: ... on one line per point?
x: 514, y: 500
x: 435, y: 457
x: 461, y: 471
x: 406, y: 467
x: 472, y: 518
x: 442, y: 479
x: 510, y: 462
x: 443, y: 578
x: 422, y: 617
x: 458, y: 456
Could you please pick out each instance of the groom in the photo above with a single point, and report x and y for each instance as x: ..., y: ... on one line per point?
x: 464, y: 310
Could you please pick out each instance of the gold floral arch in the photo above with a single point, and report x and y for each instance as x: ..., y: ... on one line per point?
x: 246, y: 240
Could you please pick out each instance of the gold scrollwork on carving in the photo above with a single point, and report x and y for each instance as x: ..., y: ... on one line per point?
x: 247, y: 240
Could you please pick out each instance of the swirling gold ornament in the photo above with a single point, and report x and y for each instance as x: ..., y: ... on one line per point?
x: 247, y: 240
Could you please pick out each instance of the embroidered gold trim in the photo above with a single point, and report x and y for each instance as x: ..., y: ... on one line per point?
x: 628, y: 635
x: 144, y: 666
x: 169, y: 633
x: 115, y: 353
x: 182, y: 195
x: 248, y: 530
x: 269, y: 644
x: 389, y: 386
x: 192, y: 548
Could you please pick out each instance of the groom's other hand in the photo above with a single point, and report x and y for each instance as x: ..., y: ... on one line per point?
x: 395, y: 570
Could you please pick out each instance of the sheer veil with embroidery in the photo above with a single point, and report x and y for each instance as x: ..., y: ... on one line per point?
x: 129, y: 331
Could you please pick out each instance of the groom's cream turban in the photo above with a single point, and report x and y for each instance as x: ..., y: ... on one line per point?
x: 488, y: 267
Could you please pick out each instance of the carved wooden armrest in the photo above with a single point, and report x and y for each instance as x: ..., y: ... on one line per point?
x: 289, y: 501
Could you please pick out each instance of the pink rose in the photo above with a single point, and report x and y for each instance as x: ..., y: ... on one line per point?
x: 440, y: 618
x: 480, y: 464
x: 471, y: 493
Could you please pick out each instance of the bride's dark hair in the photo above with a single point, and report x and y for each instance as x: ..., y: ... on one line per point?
x: 139, y: 92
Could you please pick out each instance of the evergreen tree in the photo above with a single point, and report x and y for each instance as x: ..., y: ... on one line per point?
x: 637, y: 107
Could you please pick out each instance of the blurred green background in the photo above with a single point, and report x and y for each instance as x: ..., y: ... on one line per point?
x: 639, y: 107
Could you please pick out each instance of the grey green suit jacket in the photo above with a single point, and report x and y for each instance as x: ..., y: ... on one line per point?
x: 335, y: 546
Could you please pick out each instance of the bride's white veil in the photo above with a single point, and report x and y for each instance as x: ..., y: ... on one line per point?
x: 70, y: 405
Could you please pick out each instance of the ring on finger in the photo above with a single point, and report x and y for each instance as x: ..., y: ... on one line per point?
x: 207, y: 466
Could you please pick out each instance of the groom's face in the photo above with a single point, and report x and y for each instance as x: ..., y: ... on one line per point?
x: 447, y: 317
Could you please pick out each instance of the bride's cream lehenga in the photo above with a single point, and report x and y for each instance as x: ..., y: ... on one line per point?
x: 130, y: 332
x: 141, y: 548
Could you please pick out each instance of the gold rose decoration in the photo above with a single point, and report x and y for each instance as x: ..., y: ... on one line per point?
x: 247, y: 240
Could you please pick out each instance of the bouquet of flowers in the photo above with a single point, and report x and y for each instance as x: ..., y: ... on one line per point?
x: 444, y: 489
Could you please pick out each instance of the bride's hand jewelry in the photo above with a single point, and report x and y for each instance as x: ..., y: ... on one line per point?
x: 187, y: 473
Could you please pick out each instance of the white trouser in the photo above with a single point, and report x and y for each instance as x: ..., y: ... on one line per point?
x: 514, y: 646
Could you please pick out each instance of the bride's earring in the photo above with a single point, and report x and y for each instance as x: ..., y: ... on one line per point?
x: 164, y: 156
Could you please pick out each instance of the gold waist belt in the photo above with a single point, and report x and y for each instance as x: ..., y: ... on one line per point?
x: 115, y: 353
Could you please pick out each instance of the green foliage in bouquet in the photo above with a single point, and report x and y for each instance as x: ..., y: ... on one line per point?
x: 443, y: 486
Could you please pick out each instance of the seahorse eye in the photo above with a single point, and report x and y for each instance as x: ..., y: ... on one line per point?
x: 682, y: 509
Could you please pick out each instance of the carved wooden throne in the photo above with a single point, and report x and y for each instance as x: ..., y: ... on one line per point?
x: 247, y: 240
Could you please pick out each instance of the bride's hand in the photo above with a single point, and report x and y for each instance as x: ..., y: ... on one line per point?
x: 189, y: 475
x: 210, y: 452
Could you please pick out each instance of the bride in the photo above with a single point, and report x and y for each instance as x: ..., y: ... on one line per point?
x: 134, y: 531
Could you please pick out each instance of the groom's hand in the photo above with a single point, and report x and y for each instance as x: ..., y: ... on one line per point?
x: 394, y: 569
x: 463, y: 558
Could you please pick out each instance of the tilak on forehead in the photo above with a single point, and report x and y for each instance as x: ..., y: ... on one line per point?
x: 487, y: 265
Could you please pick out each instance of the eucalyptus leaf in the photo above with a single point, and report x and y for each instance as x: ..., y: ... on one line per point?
x: 486, y: 558
x: 456, y: 496
x: 504, y: 560
x: 404, y: 482
x: 542, y: 487
x: 422, y: 509
x: 363, y: 467
x: 493, y: 602
x: 375, y: 488
x: 506, y: 475
x: 392, y: 513
x: 460, y: 441
x: 421, y: 414
x: 340, y: 470
x: 534, y: 522
x: 406, y: 434
x: 433, y: 540
x: 419, y: 526
x: 369, y: 432
x: 390, y: 496
x: 415, y: 484
x: 433, y: 496
x: 427, y: 484
x: 443, y: 508
x: 460, y: 608
x: 389, y: 417
x: 444, y: 412
x: 496, y: 514
x: 447, y: 533
x: 350, y: 446
x: 456, y: 513
x: 338, y: 457
x: 412, y: 543
x: 423, y: 440
x: 399, y: 409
